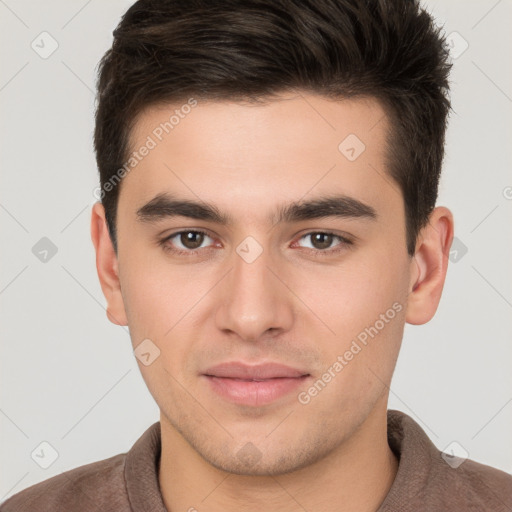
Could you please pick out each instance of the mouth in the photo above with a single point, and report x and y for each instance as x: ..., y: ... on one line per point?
x: 254, y: 385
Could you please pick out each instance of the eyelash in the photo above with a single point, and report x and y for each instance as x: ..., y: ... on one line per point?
x: 345, y: 242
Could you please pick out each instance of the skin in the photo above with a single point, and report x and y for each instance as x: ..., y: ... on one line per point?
x: 286, y: 306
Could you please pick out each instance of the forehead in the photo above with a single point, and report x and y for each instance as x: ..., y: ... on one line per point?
x: 276, y: 124
x: 247, y: 155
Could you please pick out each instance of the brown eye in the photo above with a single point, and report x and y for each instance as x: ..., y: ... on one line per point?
x: 191, y: 239
x: 321, y: 240
x: 325, y: 242
x: 188, y: 242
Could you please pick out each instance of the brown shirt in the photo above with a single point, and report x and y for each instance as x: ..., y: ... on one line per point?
x: 129, y: 482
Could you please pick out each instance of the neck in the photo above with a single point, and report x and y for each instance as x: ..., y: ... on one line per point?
x: 355, y: 476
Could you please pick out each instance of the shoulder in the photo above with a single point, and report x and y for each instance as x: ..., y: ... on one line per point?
x: 99, y: 485
x: 473, y: 485
x: 108, y: 484
x: 429, y: 479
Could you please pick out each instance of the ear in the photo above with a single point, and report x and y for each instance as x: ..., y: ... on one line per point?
x: 107, y: 266
x: 429, y: 266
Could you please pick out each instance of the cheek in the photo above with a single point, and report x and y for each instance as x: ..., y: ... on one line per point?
x: 362, y: 310
x: 345, y: 299
x: 156, y: 294
x: 157, y: 304
x: 162, y: 303
x: 358, y: 362
x: 147, y: 301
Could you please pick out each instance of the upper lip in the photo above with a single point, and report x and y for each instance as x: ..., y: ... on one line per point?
x: 239, y: 370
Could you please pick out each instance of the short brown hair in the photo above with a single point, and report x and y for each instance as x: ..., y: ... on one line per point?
x: 250, y: 50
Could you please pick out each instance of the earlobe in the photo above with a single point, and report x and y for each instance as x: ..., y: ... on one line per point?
x: 107, y: 266
x: 429, y: 266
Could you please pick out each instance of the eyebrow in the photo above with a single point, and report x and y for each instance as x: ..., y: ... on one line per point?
x: 165, y: 206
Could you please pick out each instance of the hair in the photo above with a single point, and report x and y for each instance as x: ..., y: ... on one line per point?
x: 167, y: 51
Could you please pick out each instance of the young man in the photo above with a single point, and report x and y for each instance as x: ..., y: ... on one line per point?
x: 267, y: 226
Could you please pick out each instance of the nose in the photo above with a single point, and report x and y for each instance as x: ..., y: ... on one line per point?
x: 254, y: 301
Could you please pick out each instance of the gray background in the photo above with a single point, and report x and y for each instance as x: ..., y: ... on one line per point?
x: 68, y: 376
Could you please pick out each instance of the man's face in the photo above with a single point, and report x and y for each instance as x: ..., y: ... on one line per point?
x: 259, y: 289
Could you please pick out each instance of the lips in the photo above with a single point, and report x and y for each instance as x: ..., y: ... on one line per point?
x: 236, y: 370
x: 255, y: 385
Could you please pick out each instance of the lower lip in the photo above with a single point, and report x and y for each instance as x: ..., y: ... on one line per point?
x: 255, y: 393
